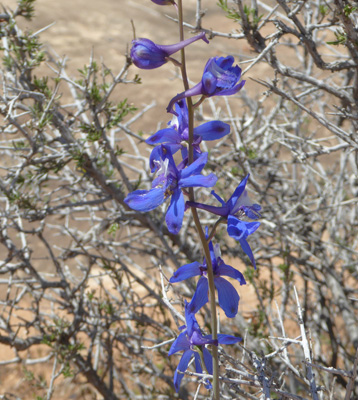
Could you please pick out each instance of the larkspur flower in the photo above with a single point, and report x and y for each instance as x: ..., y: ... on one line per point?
x: 192, y: 341
x: 176, y: 136
x: 148, y: 55
x: 169, y: 182
x: 220, y: 78
x: 238, y: 205
x: 227, y: 294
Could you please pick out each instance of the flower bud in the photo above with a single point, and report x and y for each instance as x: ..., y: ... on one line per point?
x: 148, y: 55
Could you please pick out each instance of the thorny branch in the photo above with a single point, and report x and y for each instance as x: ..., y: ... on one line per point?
x: 80, y: 271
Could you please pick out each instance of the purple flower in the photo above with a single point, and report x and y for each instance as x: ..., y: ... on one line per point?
x: 237, y: 206
x: 169, y: 182
x: 163, y: 2
x: 177, y: 135
x: 192, y: 341
x: 228, y: 296
x: 220, y: 78
x: 148, y: 55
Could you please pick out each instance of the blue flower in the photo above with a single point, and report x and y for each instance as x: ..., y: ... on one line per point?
x: 177, y: 135
x: 148, y: 55
x: 220, y: 78
x: 236, y: 207
x: 169, y: 182
x: 227, y: 294
x: 192, y: 341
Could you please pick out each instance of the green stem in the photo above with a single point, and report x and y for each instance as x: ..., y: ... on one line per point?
x: 204, y: 243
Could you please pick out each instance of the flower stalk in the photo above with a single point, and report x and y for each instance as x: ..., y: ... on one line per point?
x: 204, y: 243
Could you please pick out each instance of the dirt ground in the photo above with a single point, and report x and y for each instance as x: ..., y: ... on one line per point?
x: 104, y: 27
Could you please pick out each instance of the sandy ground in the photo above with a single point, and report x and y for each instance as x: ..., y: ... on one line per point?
x: 104, y: 27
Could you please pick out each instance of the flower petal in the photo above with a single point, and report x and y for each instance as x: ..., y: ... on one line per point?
x: 191, y: 322
x: 244, y: 203
x: 167, y: 135
x: 144, y: 200
x: 185, y: 272
x: 218, y: 198
x: 198, y: 180
x: 209, y: 83
x: 179, y: 344
x: 252, y: 227
x: 180, y: 121
x: 162, y: 152
x: 208, y: 359
x: 197, y: 360
x: 196, y: 167
x: 229, y: 92
x: 200, y: 297
x: 212, y: 130
x: 228, y: 297
x: 225, y: 63
x: 252, y: 211
x: 197, y: 339
x: 184, y: 153
x: 228, y: 339
x: 227, y: 76
x: 237, y: 193
x: 247, y: 249
x: 175, y: 213
x: 228, y: 270
x: 238, y: 229
x: 183, y: 365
